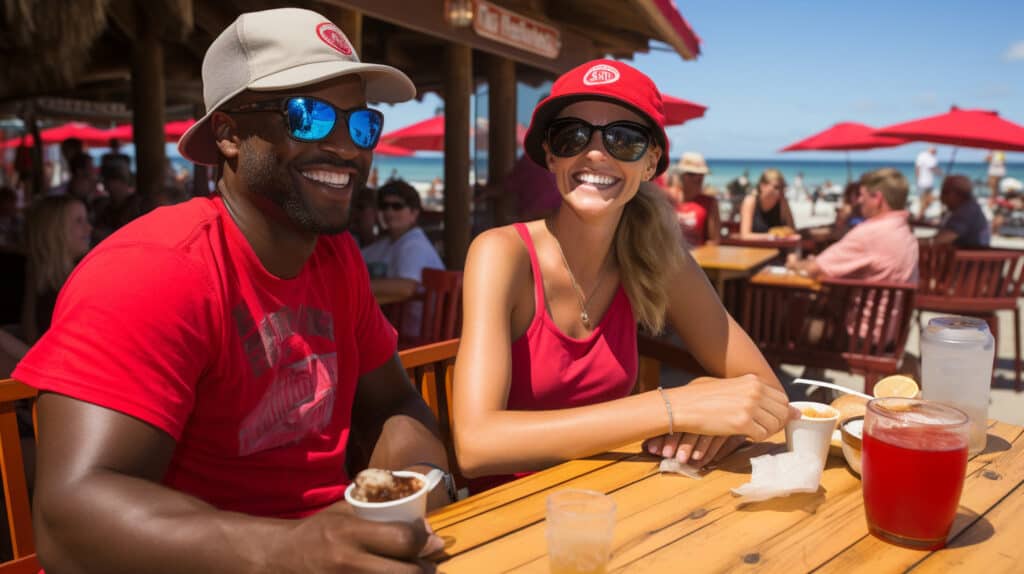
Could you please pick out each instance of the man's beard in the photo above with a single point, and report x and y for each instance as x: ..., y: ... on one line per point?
x: 266, y: 177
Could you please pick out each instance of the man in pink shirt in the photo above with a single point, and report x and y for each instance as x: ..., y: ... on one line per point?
x: 882, y: 248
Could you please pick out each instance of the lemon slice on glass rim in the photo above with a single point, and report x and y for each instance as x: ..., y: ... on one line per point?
x: 897, y: 386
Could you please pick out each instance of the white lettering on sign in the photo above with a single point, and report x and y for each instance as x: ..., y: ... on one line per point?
x: 501, y: 25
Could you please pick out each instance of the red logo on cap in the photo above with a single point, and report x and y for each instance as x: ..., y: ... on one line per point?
x: 601, y: 74
x: 332, y: 36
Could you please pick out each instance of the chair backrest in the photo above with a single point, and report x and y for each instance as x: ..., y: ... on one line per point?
x: 987, y: 274
x: 431, y: 369
x: 440, y: 298
x: 442, y: 305
x: 852, y: 325
x: 933, y: 264
x: 16, y: 494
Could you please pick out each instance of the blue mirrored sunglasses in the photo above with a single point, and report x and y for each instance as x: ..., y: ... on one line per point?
x: 313, y: 120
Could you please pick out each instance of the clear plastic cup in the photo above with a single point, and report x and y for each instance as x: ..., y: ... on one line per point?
x: 580, y: 525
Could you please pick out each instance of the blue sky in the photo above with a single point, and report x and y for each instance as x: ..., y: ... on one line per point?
x: 772, y: 73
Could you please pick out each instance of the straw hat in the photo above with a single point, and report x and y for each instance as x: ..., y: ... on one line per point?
x: 693, y: 162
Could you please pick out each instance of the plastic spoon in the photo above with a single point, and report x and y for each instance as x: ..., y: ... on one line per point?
x: 839, y: 388
x: 433, y: 477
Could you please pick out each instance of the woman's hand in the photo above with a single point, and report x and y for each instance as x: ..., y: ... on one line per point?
x: 745, y: 405
x: 698, y: 450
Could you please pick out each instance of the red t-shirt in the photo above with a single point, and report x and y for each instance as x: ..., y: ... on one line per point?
x: 174, y: 321
x: 693, y: 219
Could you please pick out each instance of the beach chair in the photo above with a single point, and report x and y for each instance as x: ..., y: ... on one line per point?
x: 18, y: 544
x: 856, y: 326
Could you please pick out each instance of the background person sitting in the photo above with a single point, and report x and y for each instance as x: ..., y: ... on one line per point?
x: 766, y: 209
x: 697, y: 213
x: 396, y: 261
x: 965, y: 224
x: 882, y: 247
x: 120, y: 206
x: 58, y: 235
x: 849, y: 213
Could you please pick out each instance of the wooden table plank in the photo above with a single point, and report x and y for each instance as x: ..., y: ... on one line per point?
x: 783, y: 277
x: 732, y: 258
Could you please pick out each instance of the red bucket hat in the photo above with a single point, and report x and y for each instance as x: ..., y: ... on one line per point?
x: 606, y: 80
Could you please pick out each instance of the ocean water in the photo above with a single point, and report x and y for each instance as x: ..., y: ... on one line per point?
x: 815, y: 172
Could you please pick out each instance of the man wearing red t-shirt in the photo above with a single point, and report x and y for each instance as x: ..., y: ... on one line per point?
x: 697, y: 213
x: 211, y: 365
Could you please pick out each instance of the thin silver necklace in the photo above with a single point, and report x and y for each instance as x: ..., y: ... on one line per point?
x: 584, y: 316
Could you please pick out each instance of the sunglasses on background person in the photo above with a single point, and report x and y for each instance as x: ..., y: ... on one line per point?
x: 391, y: 206
x: 624, y: 140
x: 313, y: 120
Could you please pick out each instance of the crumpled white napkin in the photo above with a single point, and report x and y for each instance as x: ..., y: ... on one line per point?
x: 674, y: 466
x: 783, y: 474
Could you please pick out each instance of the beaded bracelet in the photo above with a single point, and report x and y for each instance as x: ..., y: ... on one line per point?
x: 668, y: 408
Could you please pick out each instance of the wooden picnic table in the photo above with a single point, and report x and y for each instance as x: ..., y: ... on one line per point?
x: 389, y: 299
x: 724, y: 262
x: 670, y: 523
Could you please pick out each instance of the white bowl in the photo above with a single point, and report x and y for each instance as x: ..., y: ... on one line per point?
x: 853, y: 432
x: 408, y: 509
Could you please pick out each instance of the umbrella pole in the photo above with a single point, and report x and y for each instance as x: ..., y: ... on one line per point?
x: 849, y: 173
x: 952, y: 160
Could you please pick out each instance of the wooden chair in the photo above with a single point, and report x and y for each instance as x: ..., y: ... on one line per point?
x: 440, y: 296
x: 653, y: 353
x: 431, y: 368
x: 16, y: 493
x: 856, y: 326
x: 976, y: 283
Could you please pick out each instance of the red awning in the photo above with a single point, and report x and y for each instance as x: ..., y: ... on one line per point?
x: 428, y: 135
x: 966, y: 128
x: 680, y: 35
x: 84, y: 132
x: 845, y: 136
x: 392, y: 150
x: 172, y: 131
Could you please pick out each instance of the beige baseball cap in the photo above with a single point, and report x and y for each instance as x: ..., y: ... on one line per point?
x: 693, y: 162
x: 277, y: 50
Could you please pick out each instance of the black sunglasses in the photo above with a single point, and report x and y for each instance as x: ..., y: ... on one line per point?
x: 624, y: 140
x: 391, y: 205
x: 312, y: 120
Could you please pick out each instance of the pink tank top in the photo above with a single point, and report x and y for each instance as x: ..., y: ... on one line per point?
x: 551, y: 370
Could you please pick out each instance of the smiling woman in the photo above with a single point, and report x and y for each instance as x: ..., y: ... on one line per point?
x: 549, y: 343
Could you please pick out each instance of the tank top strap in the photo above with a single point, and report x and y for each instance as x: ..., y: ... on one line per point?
x: 538, y: 281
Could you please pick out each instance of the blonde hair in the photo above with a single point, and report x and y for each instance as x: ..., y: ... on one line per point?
x: 890, y: 183
x: 649, y: 248
x: 49, y: 253
x: 772, y: 175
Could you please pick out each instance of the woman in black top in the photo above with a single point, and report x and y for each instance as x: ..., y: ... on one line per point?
x: 766, y: 209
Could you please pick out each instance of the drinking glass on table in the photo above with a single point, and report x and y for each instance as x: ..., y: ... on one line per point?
x: 914, y: 461
x: 580, y: 524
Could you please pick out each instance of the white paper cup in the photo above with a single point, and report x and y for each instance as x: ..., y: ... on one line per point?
x: 812, y: 435
x: 408, y: 509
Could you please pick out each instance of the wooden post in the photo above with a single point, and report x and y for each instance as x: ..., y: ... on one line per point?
x: 457, y: 90
x: 501, y: 145
x: 39, y: 186
x: 148, y: 100
x: 200, y: 172
x: 351, y: 23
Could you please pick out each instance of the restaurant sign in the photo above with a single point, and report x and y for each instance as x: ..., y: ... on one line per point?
x: 501, y: 25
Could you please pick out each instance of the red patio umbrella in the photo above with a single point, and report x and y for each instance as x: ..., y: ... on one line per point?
x: 172, y: 131
x: 427, y: 135
x: 845, y: 136
x: 84, y: 132
x: 679, y: 111
x: 392, y: 150
x: 965, y: 128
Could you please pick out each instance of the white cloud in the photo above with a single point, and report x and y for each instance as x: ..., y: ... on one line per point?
x: 1015, y: 52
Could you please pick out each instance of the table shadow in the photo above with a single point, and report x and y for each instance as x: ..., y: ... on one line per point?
x: 995, y: 443
x: 974, y: 529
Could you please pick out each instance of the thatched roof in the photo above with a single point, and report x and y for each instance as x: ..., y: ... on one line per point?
x: 81, y: 49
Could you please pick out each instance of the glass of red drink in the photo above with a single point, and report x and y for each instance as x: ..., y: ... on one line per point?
x: 914, y: 461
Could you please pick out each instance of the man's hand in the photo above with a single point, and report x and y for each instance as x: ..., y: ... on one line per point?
x: 336, y: 540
